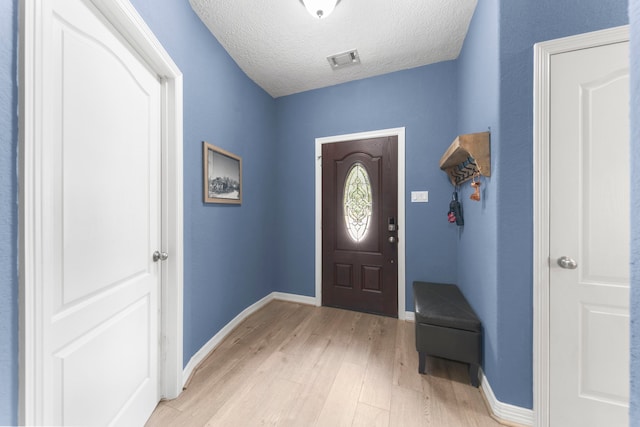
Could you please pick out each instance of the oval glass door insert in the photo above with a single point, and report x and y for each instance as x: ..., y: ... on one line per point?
x: 357, y: 202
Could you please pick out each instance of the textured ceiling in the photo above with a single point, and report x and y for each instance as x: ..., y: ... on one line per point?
x: 284, y: 49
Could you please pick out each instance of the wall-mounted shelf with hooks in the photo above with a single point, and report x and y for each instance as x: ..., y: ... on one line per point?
x: 468, y: 155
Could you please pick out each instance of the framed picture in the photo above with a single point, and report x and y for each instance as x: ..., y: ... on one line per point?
x: 222, y: 175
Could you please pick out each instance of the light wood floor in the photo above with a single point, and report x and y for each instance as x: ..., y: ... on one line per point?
x: 297, y: 365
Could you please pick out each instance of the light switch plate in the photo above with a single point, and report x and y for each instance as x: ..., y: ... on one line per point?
x: 419, y: 197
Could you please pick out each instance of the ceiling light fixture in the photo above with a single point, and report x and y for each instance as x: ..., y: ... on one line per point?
x: 320, y: 8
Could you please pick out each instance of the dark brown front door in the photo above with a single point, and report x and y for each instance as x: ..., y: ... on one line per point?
x: 359, y: 225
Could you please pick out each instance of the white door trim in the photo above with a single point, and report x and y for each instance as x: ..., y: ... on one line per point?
x: 541, y: 98
x: 125, y: 19
x: 400, y: 133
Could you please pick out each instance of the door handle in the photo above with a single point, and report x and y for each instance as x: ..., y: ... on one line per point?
x: 160, y: 256
x: 568, y: 263
x: 393, y: 239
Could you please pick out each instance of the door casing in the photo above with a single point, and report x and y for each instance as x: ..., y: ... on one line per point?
x: 126, y: 20
x: 541, y: 99
x: 400, y: 133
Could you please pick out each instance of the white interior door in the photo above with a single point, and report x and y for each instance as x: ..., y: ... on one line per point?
x: 101, y: 204
x: 589, y: 225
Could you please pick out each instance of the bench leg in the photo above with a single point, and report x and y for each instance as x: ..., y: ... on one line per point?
x: 473, y: 374
x: 422, y: 361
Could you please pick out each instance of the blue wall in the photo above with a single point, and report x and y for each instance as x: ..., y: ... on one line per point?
x: 523, y: 23
x: 423, y: 100
x: 479, y: 109
x: 634, y: 15
x: 228, y: 258
x: 496, y: 65
x: 8, y: 213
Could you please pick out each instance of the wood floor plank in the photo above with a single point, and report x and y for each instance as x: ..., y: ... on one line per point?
x: 321, y: 378
x: 163, y: 415
x: 370, y: 416
x: 250, y: 395
x: 340, y: 406
x: 406, y: 358
x: 263, y: 401
x: 311, y: 343
x: 469, y: 398
x: 380, y: 364
x: 239, y: 344
x: 438, y: 386
x: 206, y: 396
x: 409, y: 408
x: 321, y: 321
x: 295, y: 365
x: 360, y: 345
x: 306, y: 410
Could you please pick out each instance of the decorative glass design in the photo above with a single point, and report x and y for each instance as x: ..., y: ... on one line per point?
x: 357, y: 202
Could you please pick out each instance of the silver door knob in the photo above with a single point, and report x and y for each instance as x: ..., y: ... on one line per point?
x: 393, y: 239
x: 160, y: 256
x: 568, y: 263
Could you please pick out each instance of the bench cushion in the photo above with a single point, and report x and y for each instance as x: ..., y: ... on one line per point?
x: 443, y: 305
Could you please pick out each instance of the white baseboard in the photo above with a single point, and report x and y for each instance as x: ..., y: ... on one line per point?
x: 504, y: 412
x: 409, y: 316
x: 300, y: 299
x: 204, y: 351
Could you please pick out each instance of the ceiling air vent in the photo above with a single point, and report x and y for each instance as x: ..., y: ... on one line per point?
x: 344, y: 59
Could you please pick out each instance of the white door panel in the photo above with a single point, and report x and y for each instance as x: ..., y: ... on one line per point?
x: 605, y: 200
x: 599, y: 345
x: 589, y: 222
x: 102, y: 169
x: 99, y: 380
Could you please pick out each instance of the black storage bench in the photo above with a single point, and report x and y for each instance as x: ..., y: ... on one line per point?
x: 446, y: 326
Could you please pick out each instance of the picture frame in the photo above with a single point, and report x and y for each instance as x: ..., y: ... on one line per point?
x: 222, y: 173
